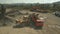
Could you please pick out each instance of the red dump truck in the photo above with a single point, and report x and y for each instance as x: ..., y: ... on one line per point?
x: 38, y: 22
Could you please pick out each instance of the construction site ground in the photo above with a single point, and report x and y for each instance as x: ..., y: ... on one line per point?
x: 51, y: 26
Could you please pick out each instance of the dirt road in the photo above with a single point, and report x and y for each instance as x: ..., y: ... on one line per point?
x: 51, y: 26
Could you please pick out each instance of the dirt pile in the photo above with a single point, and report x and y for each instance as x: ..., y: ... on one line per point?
x: 13, y: 13
x: 9, y: 20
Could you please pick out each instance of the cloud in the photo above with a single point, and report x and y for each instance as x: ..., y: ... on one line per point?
x: 28, y: 1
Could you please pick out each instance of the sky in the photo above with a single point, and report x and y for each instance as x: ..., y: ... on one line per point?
x: 27, y: 1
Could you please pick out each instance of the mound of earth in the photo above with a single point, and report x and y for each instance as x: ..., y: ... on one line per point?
x: 13, y: 13
x: 6, y: 21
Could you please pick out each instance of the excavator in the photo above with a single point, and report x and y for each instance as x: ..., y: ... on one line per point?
x: 37, y: 9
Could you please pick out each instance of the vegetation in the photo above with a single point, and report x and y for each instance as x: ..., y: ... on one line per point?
x: 53, y: 6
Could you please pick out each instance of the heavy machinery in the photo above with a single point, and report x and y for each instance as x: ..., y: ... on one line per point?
x: 57, y: 13
x: 38, y: 23
x: 37, y: 9
x: 34, y: 9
